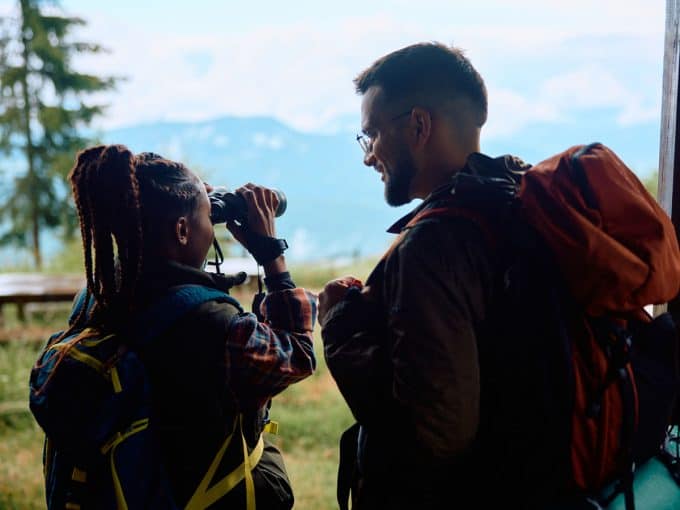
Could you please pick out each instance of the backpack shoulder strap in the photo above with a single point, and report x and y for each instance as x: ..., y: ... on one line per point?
x: 452, y: 210
x: 448, y: 209
x: 82, y: 301
x: 175, y: 304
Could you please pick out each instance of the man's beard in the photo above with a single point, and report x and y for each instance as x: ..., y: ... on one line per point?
x: 398, y: 181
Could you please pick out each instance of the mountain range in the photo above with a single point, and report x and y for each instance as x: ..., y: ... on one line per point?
x: 335, y: 203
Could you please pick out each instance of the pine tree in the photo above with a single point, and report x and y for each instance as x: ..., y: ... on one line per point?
x: 42, y: 113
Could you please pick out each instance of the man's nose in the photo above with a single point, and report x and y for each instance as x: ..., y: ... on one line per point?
x: 369, y: 158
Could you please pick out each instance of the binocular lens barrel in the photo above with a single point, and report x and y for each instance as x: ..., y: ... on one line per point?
x: 227, y: 206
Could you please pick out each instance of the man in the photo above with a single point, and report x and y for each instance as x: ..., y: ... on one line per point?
x: 403, y: 348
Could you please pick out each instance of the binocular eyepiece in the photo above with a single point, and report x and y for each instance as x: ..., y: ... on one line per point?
x: 227, y: 206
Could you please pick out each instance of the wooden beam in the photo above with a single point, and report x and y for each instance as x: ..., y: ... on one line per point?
x: 669, y: 150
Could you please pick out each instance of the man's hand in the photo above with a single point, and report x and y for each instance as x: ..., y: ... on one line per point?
x: 333, y: 293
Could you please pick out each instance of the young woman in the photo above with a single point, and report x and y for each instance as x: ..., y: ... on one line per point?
x: 146, y: 229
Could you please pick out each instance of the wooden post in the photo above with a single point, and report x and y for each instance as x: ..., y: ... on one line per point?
x: 21, y: 312
x: 669, y: 151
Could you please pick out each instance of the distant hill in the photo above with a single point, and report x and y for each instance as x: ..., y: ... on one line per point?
x: 335, y: 204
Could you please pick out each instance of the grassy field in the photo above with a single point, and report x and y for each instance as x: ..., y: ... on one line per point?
x: 311, y: 414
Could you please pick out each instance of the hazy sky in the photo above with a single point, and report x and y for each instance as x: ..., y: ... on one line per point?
x: 542, y: 60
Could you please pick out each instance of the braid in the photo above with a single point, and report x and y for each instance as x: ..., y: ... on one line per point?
x: 117, y: 218
x: 80, y: 174
x: 85, y: 160
x: 130, y: 240
x: 107, y: 197
x: 127, y: 201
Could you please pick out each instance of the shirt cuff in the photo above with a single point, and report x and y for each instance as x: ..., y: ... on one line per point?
x: 279, y: 281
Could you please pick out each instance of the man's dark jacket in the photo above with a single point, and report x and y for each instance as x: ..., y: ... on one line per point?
x: 406, y: 357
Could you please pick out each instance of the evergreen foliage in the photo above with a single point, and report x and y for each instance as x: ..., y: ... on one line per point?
x: 42, y: 115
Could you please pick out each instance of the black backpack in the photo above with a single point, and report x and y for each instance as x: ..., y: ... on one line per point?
x: 95, y: 408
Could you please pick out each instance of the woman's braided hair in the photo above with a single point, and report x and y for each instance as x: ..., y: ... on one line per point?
x: 126, y: 205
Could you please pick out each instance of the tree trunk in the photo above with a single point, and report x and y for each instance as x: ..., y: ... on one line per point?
x: 30, y: 154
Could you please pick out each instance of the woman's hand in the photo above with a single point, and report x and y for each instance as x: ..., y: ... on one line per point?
x: 262, y: 204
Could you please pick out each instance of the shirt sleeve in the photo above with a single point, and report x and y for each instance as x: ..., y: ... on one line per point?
x: 354, y: 339
x: 266, y: 357
x: 279, y: 281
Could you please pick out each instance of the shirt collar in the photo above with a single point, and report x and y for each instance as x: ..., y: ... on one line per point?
x: 434, y: 196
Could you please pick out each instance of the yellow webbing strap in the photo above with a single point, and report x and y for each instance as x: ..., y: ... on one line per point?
x: 204, y: 497
x: 248, y: 470
x: 115, y: 380
x: 110, y: 447
x: 78, y: 475
x: 91, y: 361
x: 82, y: 357
x: 48, y: 457
x: 93, y: 343
x: 271, y: 427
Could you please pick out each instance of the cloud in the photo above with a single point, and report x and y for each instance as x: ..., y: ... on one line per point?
x: 301, y: 72
x: 510, y: 112
x: 635, y: 113
x: 565, y: 96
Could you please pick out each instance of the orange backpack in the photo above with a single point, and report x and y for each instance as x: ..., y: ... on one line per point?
x: 593, y: 367
x: 618, y: 252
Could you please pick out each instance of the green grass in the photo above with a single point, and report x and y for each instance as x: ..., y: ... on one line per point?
x: 315, y: 276
x: 311, y: 416
x: 20, y: 438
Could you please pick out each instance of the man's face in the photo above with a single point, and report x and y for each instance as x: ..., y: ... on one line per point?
x: 388, y: 153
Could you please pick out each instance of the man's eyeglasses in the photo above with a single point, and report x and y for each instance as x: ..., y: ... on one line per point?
x: 366, y: 142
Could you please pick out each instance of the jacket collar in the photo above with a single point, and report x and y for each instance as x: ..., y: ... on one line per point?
x: 163, y: 274
x: 477, y: 165
x: 433, y: 197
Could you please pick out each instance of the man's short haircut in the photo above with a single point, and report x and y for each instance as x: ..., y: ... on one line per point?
x: 426, y: 71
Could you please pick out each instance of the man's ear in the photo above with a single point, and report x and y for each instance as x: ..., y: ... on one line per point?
x: 182, y: 229
x: 421, y: 123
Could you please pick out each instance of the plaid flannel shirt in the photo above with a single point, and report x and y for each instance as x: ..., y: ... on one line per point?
x: 266, y: 357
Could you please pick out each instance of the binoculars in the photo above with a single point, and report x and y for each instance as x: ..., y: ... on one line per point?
x: 228, y: 206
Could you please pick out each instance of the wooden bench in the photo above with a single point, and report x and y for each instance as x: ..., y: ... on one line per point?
x: 23, y: 288
x: 20, y: 289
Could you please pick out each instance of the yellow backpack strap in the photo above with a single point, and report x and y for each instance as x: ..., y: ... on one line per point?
x: 272, y: 427
x: 110, y: 448
x: 91, y: 340
x: 203, y: 497
x: 248, y: 470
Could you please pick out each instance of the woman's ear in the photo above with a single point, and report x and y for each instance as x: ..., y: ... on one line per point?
x: 182, y: 229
